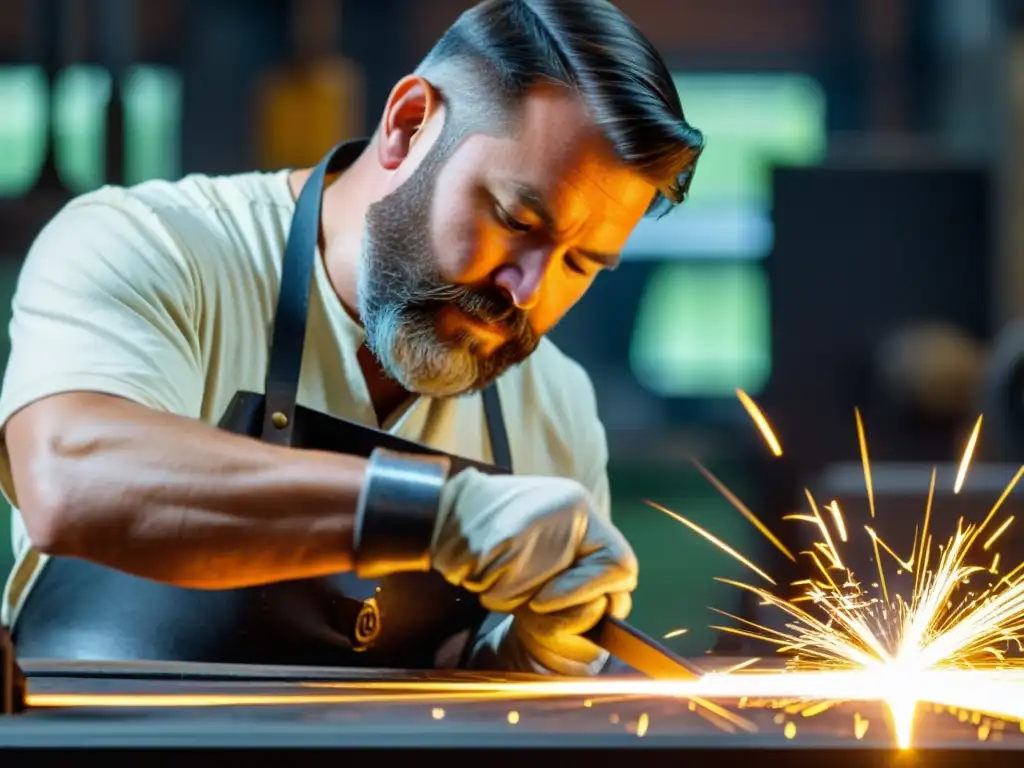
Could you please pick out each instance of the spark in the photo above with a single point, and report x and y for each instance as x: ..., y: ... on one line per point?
x: 761, y: 421
x: 837, y: 519
x: 642, y: 724
x: 744, y: 510
x: 860, y: 726
x: 714, y: 540
x: 941, y: 626
x: 742, y: 665
x: 999, y: 532
x: 862, y: 441
x: 965, y: 461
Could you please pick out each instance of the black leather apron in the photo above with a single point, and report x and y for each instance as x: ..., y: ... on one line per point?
x: 81, y: 611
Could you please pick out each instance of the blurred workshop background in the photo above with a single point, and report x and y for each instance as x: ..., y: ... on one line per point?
x: 855, y: 236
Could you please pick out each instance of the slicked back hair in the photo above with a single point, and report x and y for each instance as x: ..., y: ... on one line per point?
x: 488, y: 60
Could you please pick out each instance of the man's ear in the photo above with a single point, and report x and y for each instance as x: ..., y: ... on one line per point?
x: 411, y: 103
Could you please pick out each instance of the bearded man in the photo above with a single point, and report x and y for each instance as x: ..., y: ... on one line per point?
x: 311, y: 416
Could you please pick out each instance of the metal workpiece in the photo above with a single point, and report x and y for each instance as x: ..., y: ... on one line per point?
x: 333, y: 713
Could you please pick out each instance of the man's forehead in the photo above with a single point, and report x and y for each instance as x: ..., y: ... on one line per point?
x: 553, y: 150
x: 554, y: 124
x: 557, y: 144
x: 606, y: 188
x: 555, y: 198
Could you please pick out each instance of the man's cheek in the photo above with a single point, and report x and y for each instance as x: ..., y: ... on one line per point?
x: 462, y: 256
x: 555, y: 303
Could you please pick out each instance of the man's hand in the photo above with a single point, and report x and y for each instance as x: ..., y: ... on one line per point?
x: 536, y: 548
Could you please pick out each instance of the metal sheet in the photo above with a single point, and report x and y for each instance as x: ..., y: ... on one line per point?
x: 332, y: 713
x: 42, y: 669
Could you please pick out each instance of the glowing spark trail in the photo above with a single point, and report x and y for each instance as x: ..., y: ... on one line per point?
x: 762, y: 423
x: 965, y: 462
x: 865, y: 460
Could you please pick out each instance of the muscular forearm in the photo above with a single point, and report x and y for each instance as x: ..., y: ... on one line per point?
x: 176, y: 500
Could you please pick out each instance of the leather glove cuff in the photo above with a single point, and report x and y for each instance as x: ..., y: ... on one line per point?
x: 397, y: 512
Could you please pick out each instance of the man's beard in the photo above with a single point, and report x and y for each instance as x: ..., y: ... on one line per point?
x: 401, y: 294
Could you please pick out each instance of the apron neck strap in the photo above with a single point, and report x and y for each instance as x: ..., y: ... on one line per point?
x: 289, y: 333
x: 502, y: 452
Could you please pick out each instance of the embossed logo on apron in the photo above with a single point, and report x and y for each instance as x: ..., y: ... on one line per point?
x: 367, y: 627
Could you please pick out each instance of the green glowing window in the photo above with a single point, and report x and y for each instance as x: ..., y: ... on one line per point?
x: 152, y: 115
x: 152, y: 104
x: 751, y: 122
x: 23, y: 119
x: 80, y: 97
x: 703, y: 330
x: 703, y: 326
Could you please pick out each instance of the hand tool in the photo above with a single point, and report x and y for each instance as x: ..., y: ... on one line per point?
x: 639, y: 651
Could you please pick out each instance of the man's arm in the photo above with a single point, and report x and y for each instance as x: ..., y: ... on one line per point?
x: 177, y: 500
x: 107, y: 461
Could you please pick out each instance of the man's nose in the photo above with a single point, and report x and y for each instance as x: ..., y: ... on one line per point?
x: 523, y: 278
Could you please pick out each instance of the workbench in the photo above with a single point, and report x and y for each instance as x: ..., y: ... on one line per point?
x: 323, y: 713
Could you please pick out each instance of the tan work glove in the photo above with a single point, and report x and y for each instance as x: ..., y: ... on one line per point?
x: 536, y: 548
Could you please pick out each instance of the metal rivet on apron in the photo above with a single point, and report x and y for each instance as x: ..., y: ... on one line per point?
x: 279, y: 419
x: 367, y: 625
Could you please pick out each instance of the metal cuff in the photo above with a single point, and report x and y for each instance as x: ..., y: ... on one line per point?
x: 397, y: 511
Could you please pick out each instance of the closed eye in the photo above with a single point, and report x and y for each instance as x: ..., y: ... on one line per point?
x: 574, y: 265
x: 510, y: 222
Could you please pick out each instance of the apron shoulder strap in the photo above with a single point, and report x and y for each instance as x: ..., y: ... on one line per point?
x: 289, y: 334
x: 496, y: 428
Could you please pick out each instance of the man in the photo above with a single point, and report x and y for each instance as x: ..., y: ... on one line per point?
x: 505, y: 175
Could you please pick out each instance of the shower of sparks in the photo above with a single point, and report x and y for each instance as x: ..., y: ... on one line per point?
x: 899, y: 641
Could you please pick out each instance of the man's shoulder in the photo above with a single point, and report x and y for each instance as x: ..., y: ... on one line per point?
x: 198, y: 193
x: 213, y: 227
x: 196, y: 199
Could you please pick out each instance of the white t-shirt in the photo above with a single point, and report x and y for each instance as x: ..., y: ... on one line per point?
x: 164, y: 294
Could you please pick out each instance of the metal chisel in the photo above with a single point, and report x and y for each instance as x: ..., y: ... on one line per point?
x: 639, y: 651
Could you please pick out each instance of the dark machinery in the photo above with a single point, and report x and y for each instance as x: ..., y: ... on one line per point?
x: 991, y: 382
x: 1003, y: 394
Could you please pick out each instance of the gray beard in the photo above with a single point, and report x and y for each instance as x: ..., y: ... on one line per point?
x: 400, y: 295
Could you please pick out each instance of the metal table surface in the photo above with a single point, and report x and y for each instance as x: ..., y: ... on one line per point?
x: 148, y: 707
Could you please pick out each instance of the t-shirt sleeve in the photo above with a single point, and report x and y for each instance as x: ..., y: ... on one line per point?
x: 105, y: 302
